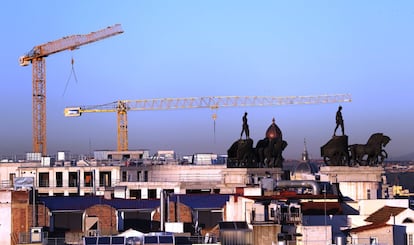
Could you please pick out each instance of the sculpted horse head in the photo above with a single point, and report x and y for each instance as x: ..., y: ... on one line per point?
x: 378, y: 139
x: 385, y: 140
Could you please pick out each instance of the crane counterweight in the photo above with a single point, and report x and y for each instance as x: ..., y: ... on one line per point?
x: 73, y: 112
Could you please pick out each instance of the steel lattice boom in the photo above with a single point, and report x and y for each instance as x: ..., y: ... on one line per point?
x: 212, y: 102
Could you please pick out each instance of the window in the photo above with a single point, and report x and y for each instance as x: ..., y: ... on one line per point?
x: 73, y: 179
x: 11, y: 178
x: 124, y: 176
x: 410, y: 239
x: 145, y: 176
x: 88, y: 179
x: 272, y: 212
x: 43, y: 179
x: 407, y: 220
x: 373, y: 241
x: 59, y: 179
x: 152, y: 193
x: 135, y: 194
x: 105, y: 179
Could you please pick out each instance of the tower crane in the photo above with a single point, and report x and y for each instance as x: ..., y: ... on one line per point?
x: 37, y: 57
x: 121, y: 107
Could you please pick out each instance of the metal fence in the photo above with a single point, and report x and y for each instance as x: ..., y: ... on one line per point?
x: 58, y: 241
x: 33, y: 237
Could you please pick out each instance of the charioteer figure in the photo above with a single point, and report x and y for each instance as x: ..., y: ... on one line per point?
x: 339, y: 121
x: 245, y: 127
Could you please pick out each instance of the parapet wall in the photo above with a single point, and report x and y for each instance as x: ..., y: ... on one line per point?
x: 337, y: 174
x: 356, y: 183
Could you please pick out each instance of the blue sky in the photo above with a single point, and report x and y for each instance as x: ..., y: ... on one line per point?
x: 212, y: 48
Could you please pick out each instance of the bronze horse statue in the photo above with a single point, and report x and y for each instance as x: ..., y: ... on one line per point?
x: 371, y: 153
x: 269, y: 152
x: 335, y: 151
x: 241, y: 153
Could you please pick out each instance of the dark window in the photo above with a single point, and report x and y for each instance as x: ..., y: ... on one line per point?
x: 90, y: 240
x: 118, y: 240
x: 124, y: 176
x: 104, y: 240
x: 152, y: 193
x: 407, y: 220
x: 73, y: 179
x: 44, y: 179
x: 166, y: 239
x: 145, y: 176
x: 59, y: 179
x: 135, y: 194
x: 150, y: 239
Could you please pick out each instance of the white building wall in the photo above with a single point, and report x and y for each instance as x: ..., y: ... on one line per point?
x: 81, y: 177
x: 115, y: 176
x: 144, y: 193
x: 357, y: 183
x: 359, y: 190
x: 95, y: 174
x: 314, y: 235
x: 8, y: 169
x: 5, y: 221
x: 65, y: 178
x: 239, y: 210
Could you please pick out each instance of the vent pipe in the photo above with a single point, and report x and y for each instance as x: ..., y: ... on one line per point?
x: 299, y: 183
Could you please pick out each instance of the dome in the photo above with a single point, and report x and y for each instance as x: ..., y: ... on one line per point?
x: 273, y: 132
x: 306, y: 167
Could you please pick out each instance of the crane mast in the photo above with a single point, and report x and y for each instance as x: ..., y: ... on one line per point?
x: 121, y: 107
x: 37, y: 57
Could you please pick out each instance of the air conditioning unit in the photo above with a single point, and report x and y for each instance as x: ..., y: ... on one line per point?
x: 273, y: 207
x: 36, y: 234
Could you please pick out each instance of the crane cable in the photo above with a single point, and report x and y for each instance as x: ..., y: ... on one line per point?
x: 214, y: 116
x: 70, y: 75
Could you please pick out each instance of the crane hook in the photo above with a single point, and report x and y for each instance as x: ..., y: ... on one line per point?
x: 70, y: 75
x: 214, y: 116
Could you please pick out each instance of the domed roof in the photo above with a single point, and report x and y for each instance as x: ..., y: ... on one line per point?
x: 306, y: 167
x: 273, y: 132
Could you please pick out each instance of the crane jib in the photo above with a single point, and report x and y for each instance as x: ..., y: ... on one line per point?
x: 69, y: 43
